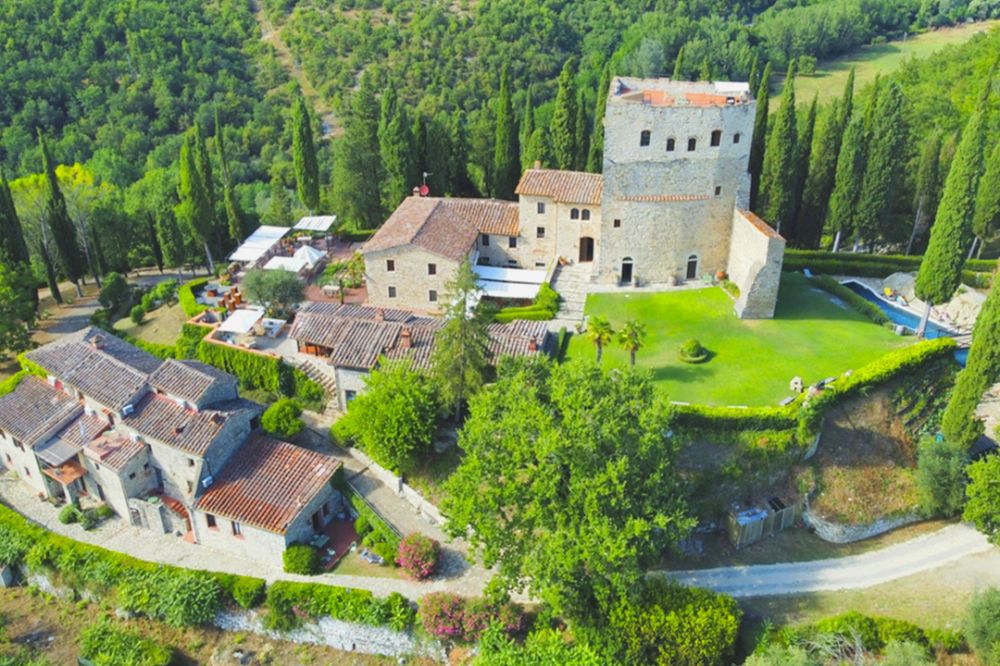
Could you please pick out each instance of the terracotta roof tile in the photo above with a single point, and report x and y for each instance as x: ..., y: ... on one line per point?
x: 106, y: 379
x: 64, y: 354
x: 563, y: 186
x: 163, y: 420
x: 35, y: 408
x: 489, y: 216
x: 114, y: 451
x: 190, y: 380
x: 267, y: 483
x: 760, y: 224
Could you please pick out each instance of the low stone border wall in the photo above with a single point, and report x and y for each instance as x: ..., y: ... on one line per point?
x: 424, y: 508
x: 840, y: 533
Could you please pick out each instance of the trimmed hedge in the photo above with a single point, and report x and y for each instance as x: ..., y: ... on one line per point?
x: 9, y: 384
x: 256, y: 370
x: 158, y: 350
x: 543, y: 308
x: 288, y: 602
x: 380, y: 531
x: 735, y: 418
x: 185, y: 296
x: 302, y: 559
x: 31, y: 367
x: 857, y: 303
x: 977, y: 273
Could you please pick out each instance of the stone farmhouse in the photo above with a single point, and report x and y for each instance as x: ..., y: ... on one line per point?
x: 669, y: 207
x: 353, y: 339
x: 168, y: 445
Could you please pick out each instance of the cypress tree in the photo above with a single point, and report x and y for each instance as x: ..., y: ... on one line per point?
x: 563, y: 129
x: 172, y: 241
x: 50, y: 270
x: 59, y: 223
x: 882, y: 168
x: 941, y: 268
x: 539, y: 149
x: 439, y: 164
x: 805, y: 141
x: 925, y: 194
x: 959, y: 423
x: 580, y: 135
x: 304, y: 155
x: 527, y: 128
x: 204, y: 164
x: 705, y: 72
x: 420, y: 123
x: 753, y: 81
x: 847, y: 182
x: 757, y: 144
x: 986, y: 219
x: 279, y: 208
x: 11, y: 233
x: 195, y: 211
x: 154, y: 242
x: 506, y: 152
x: 781, y: 161
x: 396, y: 149
x: 459, y: 153
x: 678, y: 74
x: 595, y: 156
x: 235, y: 224
x: 359, y: 165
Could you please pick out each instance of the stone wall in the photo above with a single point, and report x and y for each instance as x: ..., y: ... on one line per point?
x: 134, y: 480
x: 756, y: 253
x: 24, y: 463
x: 840, y: 533
x: 348, y: 380
x: 252, y: 543
x: 562, y: 232
x: 424, y: 508
x: 409, y: 276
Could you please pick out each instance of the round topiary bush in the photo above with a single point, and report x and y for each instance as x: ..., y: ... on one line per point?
x: 419, y: 555
x: 282, y: 419
x: 301, y: 558
x: 69, y: 514
x: 137, y: 314
x: 692, y: 352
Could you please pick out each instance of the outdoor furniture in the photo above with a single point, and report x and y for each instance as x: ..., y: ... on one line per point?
x: 319, y: 540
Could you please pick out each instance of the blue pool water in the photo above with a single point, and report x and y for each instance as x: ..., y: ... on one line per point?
x: 900, y: 316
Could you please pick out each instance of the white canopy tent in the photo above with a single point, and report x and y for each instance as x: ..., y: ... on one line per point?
x: 310, y: 255
x: 258, y: 244
x: 242, y: 320
x: 290, y: 264
x: 316, y: 223
x: 517, y: 290
x: 517, y: 283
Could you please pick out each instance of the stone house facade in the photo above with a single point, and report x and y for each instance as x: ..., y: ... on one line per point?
x: 152, y: 439
x: 662, y: 212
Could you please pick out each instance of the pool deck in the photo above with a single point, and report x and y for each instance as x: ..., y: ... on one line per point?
x: 961, y: 335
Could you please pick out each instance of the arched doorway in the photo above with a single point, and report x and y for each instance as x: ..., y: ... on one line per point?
x: 627, y: 270
x: 692, y: 267
x: 586, y: 249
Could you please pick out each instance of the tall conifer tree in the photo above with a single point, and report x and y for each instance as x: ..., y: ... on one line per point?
x: 563, y: 131
x: 925, y: 194
x: 806, y: 134
x: 11, y: 233
x: 527, y: 128
x: 204, y: 163
x: 781, y: 158
x: 50, y: 269
x: 753, y: 81
x: 886, y: 141
x: 841, y: 212
x: 359, y: 165
x: 678, y: 74
x: 595, y: 155
x: 195, y: 210
x: 580, y: 135
x: 986, y: 219
x: 757, y: 143
x: 235, y: 224
x: 59, y: 222
x: 539, y: 149
x: 304, y: 155
x: 941, y: 268
x: 396, y: 149
x: 506, y: 152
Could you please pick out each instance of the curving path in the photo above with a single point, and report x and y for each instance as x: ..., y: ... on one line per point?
x: 923, y: 553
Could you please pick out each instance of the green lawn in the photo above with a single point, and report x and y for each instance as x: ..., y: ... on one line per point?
x: 831, y: 75
x: 162, y: 325
x: 751, y: 362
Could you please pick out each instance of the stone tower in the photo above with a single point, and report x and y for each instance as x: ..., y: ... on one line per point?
x: 675, y: 172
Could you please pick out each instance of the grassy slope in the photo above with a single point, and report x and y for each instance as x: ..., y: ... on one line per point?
x: 753, y: 360
x: 162, y: 325
x: 870, y: 61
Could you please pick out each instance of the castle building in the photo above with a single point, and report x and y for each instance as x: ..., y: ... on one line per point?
x: 670, y: 207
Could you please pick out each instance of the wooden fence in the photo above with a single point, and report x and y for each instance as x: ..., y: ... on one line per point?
x: 776, y: 517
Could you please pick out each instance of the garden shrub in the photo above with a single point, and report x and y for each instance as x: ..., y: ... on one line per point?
x: 282, y: 419
x: 875, y: 633
x: 544, y: 307
x: 101, y: 318
x: 857, y: 303
x: 106, y: 644
x: 115, y: 293
x: 442, y: 615
x: 88, y: 519
x: 982, y: 625
x: 734, y: 418
x: 418, y: 555
x: 976, y: 273
x: 187, y: 299
x: 692, y: 352
x: 379, y: 531
x: 191, y: 336
x: 104, y: 512
x: 246, y: 591
x: 452, y: 617
x: 11, y: 383
x: 301, y: 558
x: 941, y: 477
x: 137, y: 314
x: 361, y: 526
x: 287, y: 603
x: 69, y: 514
x: 386, y: 552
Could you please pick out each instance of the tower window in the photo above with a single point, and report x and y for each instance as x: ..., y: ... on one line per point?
x: 736, y: 138
x: 585, y: 214
x: 574, y: 214
x: 432, y: 295
x: 540, y: 232
x: 512, y: 241
x: 617, y: 224
x: 644, y: 138
x: 692, y: 142
x: 392, y: 292
x: 718, y: 190
x: 671, y: 144
x: 485, y: 240
x: 432, y: 269
x: 541, y: 208
x: 390, y: 265
x: 716, y: 137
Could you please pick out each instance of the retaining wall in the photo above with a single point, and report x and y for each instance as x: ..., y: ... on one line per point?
x: 428, y: 511
x: 840, y: 533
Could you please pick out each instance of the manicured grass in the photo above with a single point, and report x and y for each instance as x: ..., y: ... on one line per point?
x: 162, y: 325
x: 870, y: 61
x: 751, y: 362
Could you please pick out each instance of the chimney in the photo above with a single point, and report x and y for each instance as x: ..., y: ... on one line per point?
x: 97, y: 342
x: 379, y: 315
x: 405, y: 338
x: 538, y: 164
x: 533, y: 345
x: 178, y: 429
x: 218, y: 419
x: 415, y: 191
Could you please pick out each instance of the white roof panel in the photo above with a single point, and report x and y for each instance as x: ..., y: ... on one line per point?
x: 309, y: 254
x: 290, y: 264
x: 519, y: 275
x: 242, y: 320
x: 316, y: 223
x: 258, y: 243
x: 509, y: 289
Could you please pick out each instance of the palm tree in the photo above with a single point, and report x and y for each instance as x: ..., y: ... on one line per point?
x: 600, y: 331
x: 631, y: 338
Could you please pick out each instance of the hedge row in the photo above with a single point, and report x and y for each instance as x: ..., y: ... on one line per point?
x: 857, y: 302
x: 260, y: 371
x: 735, y: 418
x: 908, y: 262
x: 873, y: 632
x: 185, y: 296
x: 381, y: 531
x: 288, y: 602
x: 875, y: 265
x: 543, y: 308
x: 158, y: 350
x: 9, y: 384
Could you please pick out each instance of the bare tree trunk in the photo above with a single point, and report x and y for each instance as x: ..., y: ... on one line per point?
x: 923, y: 322
x: 916, y: 222
x: 979, y: 253
x: 836, y: 242
x: 632, y: 357
x: 976, y: 241
x: 857, y: 244
x: 599, y: 350
x: 79, y: 288
x: 208, y: 255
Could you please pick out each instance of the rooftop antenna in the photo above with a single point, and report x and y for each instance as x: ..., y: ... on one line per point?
x: 426, y: 173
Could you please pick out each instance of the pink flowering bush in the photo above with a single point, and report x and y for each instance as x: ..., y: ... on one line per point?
x: 455, y: 618
x: 419, y: 555
x: 443, y: 615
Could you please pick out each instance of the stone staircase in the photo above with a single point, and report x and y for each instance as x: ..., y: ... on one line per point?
x: 315, y: 371
x: 571, y: 281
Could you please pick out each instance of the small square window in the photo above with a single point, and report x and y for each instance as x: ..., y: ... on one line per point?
x: 237, y: 530
x: 541, y: 208
x: 350, y: 395
x: 190, y: 462
x: 432, y: 269
x: 432, y: 295
x: 512, y: 262
x: 539, y: 264
x: 718, y: 190
x: 512, y: 241
x: 736, y: 138
x: 671, y: 144
x: 692, y: 142
x: 716, y: 138
x: 617, y: 224
x: 210, y: 521
x: 540, y: 232
x: 485, y: 240
x: 644, y: 138
x: 392, y: 292
x: 132, y: 475
x: 390, y: 265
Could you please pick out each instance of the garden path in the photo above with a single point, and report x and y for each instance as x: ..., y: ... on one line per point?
x: 945, y: 547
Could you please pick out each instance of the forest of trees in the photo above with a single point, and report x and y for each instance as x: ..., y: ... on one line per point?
x: 175, y: 129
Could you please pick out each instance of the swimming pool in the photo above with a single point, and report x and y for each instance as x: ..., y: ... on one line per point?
x: 905, y: 318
